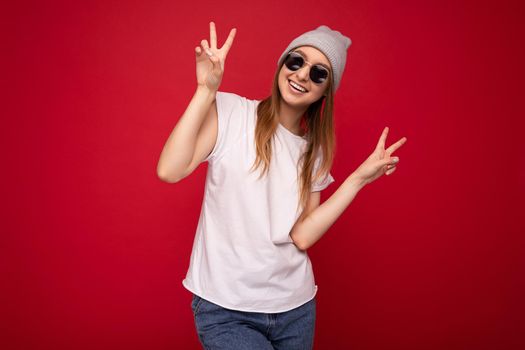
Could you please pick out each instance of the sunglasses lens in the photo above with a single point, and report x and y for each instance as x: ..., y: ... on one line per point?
x: 318, y: 75
x: 294, y: 61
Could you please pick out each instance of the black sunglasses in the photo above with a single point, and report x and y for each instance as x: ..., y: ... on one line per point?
x: 294, y: 61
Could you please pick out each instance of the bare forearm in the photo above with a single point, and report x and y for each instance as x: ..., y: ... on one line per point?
x: 179, y: 148
x: 312, y: 227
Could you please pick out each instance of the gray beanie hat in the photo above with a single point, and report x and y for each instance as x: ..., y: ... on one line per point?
x: 330, y: 42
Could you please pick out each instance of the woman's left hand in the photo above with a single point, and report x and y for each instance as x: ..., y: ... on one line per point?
x: 379, y: 162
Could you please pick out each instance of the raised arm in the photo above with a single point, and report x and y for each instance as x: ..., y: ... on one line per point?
x: 194, y: 135
x: 316, y: 219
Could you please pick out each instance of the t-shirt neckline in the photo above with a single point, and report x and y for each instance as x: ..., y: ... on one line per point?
x: 283, y: 128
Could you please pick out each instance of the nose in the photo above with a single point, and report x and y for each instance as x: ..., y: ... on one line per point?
x: 303, y: 72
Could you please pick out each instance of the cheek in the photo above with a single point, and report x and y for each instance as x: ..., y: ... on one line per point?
x: 282, y: 81
x: 282, y: 77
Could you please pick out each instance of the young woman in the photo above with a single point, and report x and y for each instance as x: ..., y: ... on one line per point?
x: 251, y: 280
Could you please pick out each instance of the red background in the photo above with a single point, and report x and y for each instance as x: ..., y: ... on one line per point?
x: 95, y: 246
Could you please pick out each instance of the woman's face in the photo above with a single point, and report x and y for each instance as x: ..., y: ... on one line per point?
x: 301, y: 76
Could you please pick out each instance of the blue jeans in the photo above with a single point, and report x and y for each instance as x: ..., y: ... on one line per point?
x: 221, y: 328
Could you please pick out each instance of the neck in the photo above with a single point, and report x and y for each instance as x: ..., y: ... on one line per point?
x: 290, y: 117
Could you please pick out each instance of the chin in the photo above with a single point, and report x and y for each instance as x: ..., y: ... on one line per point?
x: 294, y: 102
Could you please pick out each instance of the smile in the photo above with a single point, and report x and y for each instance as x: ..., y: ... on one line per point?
x: 297, y: 87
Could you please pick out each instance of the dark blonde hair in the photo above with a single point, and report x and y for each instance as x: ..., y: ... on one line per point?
x: 319, y: 124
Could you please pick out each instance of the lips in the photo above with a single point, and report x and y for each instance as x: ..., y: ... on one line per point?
x: 294, y: 89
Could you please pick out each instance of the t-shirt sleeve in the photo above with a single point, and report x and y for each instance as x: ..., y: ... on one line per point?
x: 324, y: 181
x: 229, y: 129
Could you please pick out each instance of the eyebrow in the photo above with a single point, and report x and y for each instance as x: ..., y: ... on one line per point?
x: 305, y: 55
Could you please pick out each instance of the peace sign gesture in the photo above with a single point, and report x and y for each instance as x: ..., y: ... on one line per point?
x: 379, y: 162
x: 210, y: 59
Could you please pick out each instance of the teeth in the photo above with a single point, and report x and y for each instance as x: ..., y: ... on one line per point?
x: 297, y: 86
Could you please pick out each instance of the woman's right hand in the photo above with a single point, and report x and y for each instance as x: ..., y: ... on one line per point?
x: 210, y: 59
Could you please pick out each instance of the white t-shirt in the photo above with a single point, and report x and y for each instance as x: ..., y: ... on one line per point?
x: 243, y: 257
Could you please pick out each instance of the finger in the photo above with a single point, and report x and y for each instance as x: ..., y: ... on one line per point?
x: 391, y: 161
x: 206, y: 47
x: 215, y: 61
x: 229, y: 41
x: 390, y: 166
x: 382, y: 138
x: 388, y: 172
x: 396, y: 145
x: 213, y: 35
x: 198, y: 51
